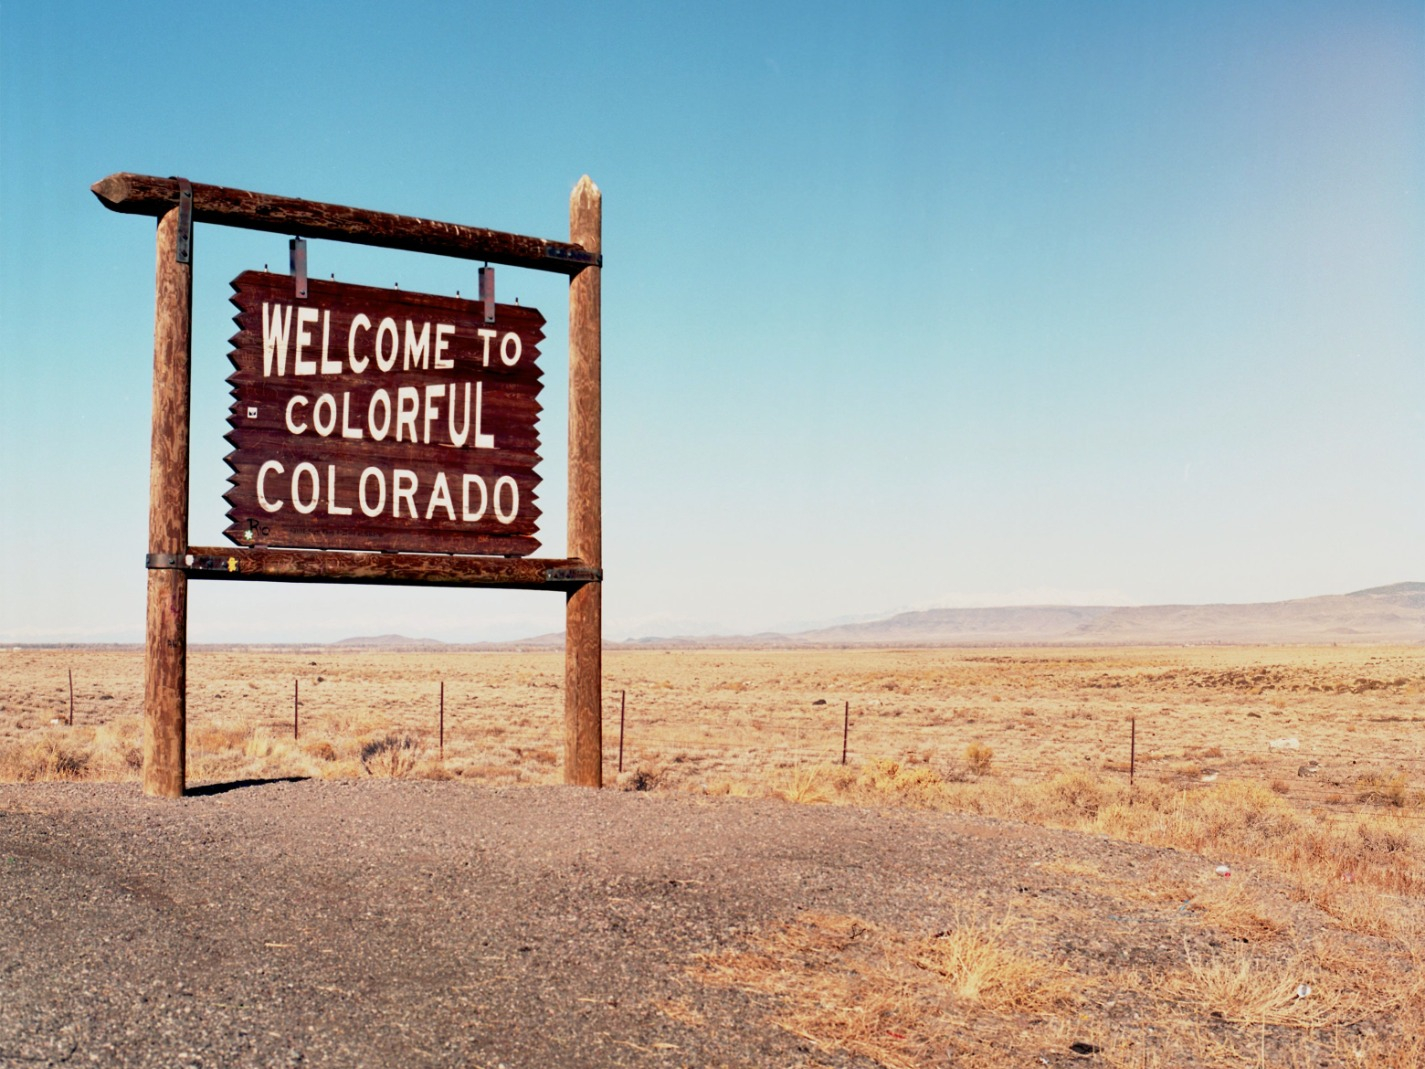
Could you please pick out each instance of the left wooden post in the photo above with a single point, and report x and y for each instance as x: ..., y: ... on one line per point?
x: 166, y: 646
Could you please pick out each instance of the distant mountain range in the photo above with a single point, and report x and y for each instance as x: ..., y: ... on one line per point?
x: 1385, y: 614
x: 1382, y: 614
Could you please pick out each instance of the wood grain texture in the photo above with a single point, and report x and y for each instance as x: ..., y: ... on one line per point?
x: 583, y: 628
x: 472, y: 462
x: 166, y: 619
x: 386, y: 569
x: 139, y: 194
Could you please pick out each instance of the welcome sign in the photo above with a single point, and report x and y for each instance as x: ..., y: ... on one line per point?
x: 376, y: 419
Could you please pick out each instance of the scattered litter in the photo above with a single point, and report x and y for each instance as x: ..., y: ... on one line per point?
x: 1292, y: 743
x: 1348, y: 877
x: 1223, y: 871
x: 1309, y: 769
x: 1209, y: 777
x: 1083, y: 1048
x: 1302, y: 990
x: 819, y: 701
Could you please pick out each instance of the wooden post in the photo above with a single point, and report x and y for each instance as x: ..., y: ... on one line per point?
x: 294, y: 710
x: 71, y: 697
x: 442, y: 720
x: 166, y: 629
x: 845, y: 729
x: 583, y: 611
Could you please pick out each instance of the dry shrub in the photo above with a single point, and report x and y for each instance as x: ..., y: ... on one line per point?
x: 976, y: 964
x: 321, y: 750
x: 979, y: 757
x: 645, y: 777
x: 1381, y: 788
x: 216, y: 738
x: 393, y: 755
x: 47, y: 758
x: 1250, y: 990
x: 882, y: 779
x: 1235, y: 908
x: 846, y: 985
x: 803, y: 785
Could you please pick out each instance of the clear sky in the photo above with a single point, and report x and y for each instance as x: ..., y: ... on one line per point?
x: 905, y: 304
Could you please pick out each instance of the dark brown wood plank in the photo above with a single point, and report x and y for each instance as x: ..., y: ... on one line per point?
x: 309, y: 470
x: 141, y: 194
x: 386, y: 569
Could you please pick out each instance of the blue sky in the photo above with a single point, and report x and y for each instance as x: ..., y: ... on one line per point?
x: 905, y: 305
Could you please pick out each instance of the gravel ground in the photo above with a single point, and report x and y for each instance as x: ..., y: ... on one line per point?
x: 394, y: 923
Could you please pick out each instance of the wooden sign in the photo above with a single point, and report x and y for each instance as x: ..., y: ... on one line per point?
x: 378, y: 419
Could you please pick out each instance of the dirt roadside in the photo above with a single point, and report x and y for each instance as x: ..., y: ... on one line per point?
x: 412, y: 923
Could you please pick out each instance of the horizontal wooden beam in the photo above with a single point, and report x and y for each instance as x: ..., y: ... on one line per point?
x: 388, y: 569
x: 142, y: 194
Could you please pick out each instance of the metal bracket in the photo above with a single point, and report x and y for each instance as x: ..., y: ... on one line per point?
x: 574, y: 575
x: 168, y: 561
x: 574, y: 256
x: 487, y: 292
x: 183, y: 247
x: 297, y: 259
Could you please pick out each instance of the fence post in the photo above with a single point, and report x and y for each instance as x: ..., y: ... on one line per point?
x: 71, y: 697
x: 1132, y: 748
x: 845, y: 730
x: 622, y: 695
x: 442, y: 720
x: 294, y: 710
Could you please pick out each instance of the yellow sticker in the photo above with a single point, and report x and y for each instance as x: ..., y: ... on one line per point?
x: 232, y: 564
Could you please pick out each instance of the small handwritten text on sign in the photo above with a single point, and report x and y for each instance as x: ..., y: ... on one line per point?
x: 378, y: 419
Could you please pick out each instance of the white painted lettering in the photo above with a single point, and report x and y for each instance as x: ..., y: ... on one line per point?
x: 440, y: 495
x: 503, y: 482
x: 432, y: 411
x: 275, y: 334
x: 417, y: 348
x: 388, y: 326
x: 268, y: 506
x: 347, y: 430
x: 443, y: 331
x: 403, y: 486
x: 482, y: 441
x: 311, y: 470
x: 357, y: 364
x: 458, y: 439
x: 329, y: 367
x: 324, y: 426
x: 305, y: 317
x: 333, y: 509
x: 465, y: 483
x: 366, y: 507
x: 488, y: 335
x: 408, y: 403
x: 297, y: 399
x: 508, y: 358
x: 379, y: 431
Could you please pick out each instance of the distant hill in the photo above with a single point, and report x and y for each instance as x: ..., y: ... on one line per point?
x: 1386, y: 614
x: 389, y: 642
x: 1393, y: 613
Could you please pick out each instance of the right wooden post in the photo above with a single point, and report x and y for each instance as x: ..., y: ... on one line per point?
x: 583, y: 613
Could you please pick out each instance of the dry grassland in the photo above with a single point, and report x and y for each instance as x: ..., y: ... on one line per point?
x: 1303, y: 769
